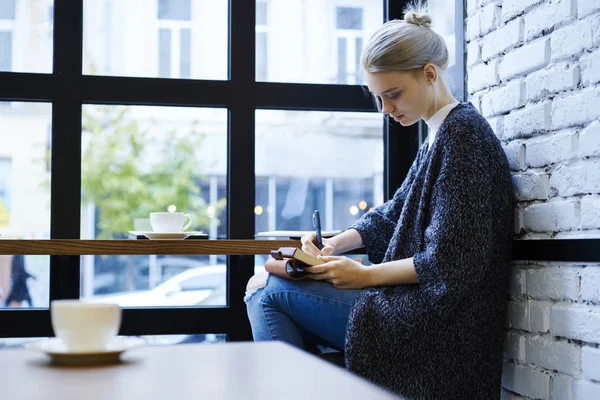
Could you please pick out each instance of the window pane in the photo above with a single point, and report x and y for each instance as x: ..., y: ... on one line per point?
x: 349, y: 18
x: 343, y: 185
x: 359, y: 47
x: 120, y: 38
x: 25, y: 200
x: 8, y: 9
x: 304, y: 38
x: 175, y: 9
x: 261, y: 56
x: 26, y: 36
x: 164, y: 53
x: 186, y: 54
x: 136, y: 160
x: 261, y: 13
x: 443, y: 14
x: 342, y: 54
x: 5, y: 51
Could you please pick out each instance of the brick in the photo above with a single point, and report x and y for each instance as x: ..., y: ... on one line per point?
x: 586, y: 7
x: 539, y: 316
x: 473, y: 30
x: 590, y: 212
x: 482, y: 76
x: 518, y: 220
x: 489, y: 18
x: 550, y: 149
x: 596, y: 30
x: 514, y: 346
x: 531, y: 186
x: 471, y: 6
x: 525, y: 381
x: 589, y: 140
x: 473, y: 52
x: 525, y: 59
x: 553, y: 283
x: 565, y: 387
x: 527, y: 121
x: 500, y: 40
x: 506, y: 395
x: 497, y: 125
x: 557, y: 78
x: 548, y: 14
x: 590, y: 362
x: 581, y: 177
x: 515, y: 153
x: 590, y: 284
x: 590, y: 68
x: 511, y: 8
x: 517, y: 281
x: 552, y: 216
x: 517, y: 315
x: 571, y: 40
x: 553, y: 354
x: 504, y: 99
x: 576, y: 322
x: 576, y: 109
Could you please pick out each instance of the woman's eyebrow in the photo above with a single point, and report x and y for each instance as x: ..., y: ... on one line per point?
x: 389, y: 90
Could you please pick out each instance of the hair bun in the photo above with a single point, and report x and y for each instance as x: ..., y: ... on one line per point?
x: 417, y: 18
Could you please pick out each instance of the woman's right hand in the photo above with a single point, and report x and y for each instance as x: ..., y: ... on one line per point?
x: 309, y: 245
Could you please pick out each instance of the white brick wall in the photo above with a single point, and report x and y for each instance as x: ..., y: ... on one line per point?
x: 533, y: 71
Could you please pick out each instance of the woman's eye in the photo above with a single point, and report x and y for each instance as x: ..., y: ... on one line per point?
x: 393, y: 96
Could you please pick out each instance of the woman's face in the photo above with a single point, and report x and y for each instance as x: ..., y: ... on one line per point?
x: 405, y: 96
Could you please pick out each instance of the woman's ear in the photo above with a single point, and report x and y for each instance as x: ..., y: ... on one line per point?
x: 430, y: 72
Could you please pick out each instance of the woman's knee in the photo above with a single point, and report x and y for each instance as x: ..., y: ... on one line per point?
x: 257, y: 281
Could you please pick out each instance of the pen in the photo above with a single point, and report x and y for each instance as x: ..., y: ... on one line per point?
x: 317, y: 228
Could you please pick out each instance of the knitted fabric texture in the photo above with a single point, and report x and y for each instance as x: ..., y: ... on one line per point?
x: 441, y: 338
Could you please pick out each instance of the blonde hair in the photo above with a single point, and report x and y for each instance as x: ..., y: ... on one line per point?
x: 404, y: 45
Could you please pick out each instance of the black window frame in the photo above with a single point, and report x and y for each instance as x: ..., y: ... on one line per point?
x: 67, y: 88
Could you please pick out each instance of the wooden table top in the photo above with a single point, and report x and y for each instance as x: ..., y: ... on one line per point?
x: 241, y: 370
x: 127, y: 247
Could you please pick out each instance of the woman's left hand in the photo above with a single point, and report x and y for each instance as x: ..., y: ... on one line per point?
x: 342, y: 272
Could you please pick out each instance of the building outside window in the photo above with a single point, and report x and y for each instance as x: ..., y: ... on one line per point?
x: 174, y: 38
x: 349, y: 37
x: 5, y: 191
x: 261, y: 40
x: 7, y: 26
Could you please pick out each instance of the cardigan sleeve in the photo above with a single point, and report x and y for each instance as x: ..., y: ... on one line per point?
x: 377, y: 227
x: 458, y: 240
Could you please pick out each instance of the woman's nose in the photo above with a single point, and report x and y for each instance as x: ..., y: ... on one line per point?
x: 386, y: 107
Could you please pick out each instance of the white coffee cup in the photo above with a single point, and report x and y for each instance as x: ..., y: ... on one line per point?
x: 169, y: 221
x: 85, y: 327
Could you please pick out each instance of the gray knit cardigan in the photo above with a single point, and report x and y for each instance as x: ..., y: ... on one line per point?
x: 440, y: 338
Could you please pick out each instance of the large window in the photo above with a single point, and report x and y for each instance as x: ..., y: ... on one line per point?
x: 96, y: 137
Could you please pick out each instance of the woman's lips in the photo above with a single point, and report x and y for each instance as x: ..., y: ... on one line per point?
x: 399, y: 118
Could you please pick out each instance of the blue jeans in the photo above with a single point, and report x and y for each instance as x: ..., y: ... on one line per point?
x: 304, y: 313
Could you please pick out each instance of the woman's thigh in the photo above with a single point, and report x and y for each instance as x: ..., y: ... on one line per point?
x: 314, y: 306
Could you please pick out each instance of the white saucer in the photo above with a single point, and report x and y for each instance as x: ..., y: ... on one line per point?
x: 166, y: 235
x: 59, y: 354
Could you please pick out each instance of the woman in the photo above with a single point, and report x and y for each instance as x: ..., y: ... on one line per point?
x: 426, y: 319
